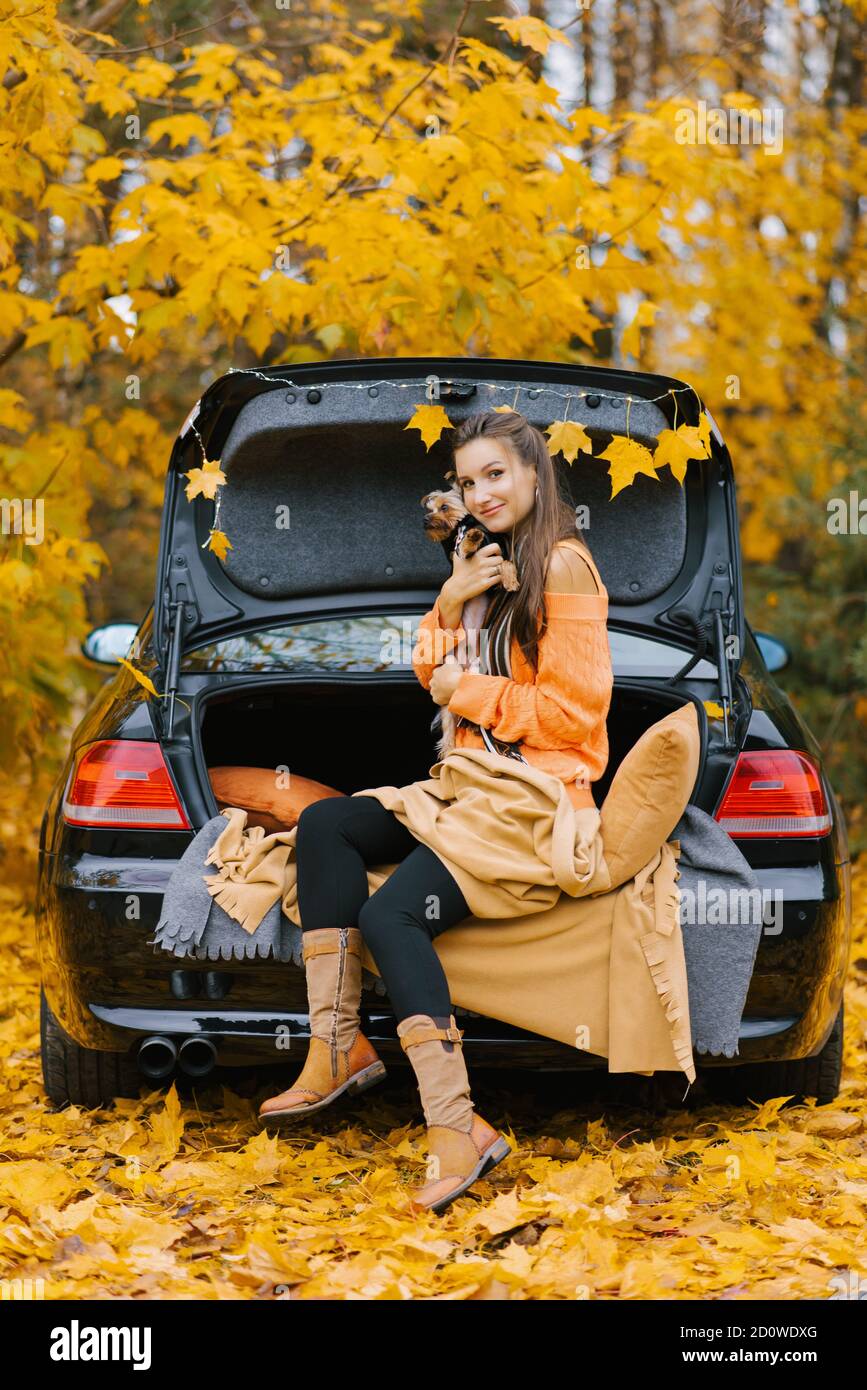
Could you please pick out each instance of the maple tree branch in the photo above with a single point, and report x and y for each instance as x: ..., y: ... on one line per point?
x: 41, y: 491
x: 407, y: 94
x: 108, y: 11
x: 170, y: 38
x: 443, y: 57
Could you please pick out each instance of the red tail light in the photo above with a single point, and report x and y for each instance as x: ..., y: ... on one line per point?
x: 774, y: 792
x: 120, y: 782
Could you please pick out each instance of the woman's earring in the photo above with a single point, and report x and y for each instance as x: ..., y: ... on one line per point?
x: 537, y: 492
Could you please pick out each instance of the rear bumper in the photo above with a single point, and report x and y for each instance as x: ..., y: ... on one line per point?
x: 251, y: 1037
x: 108, y: 989
x: 263, y: 1037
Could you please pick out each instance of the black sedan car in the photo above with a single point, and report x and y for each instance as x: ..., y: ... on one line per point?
x: 262, y: 655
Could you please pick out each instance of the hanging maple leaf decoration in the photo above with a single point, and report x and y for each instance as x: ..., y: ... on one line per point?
x: 677, y: 447
x: 566, y: 437
x: 205, y: 481
x: 628, y: 458
x: 430, y: 420
x: 140, y: 677
x: 146, y: 681
x: 219, y: 542
x: 503, y: 410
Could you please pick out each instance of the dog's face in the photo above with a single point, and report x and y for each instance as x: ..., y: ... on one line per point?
x: 443, y: 511
x: 447, y: 519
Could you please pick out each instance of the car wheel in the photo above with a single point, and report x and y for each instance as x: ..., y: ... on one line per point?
x: 76, y: 1075
x: 797, y: 1077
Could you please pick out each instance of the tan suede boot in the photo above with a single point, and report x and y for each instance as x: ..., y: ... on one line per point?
x: 461, y: 1145
x: 340, y: 1060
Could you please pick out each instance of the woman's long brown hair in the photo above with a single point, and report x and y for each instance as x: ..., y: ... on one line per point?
x: 552, y: 519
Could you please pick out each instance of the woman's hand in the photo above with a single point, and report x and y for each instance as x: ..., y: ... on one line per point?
x: 474, y: 575
x: 444, y: 680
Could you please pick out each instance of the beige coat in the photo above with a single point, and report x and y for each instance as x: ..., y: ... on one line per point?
x: 550, y: 946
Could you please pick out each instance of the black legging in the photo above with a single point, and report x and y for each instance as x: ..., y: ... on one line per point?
x: 337, y: 839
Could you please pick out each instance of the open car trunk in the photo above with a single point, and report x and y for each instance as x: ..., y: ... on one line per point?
x: 351, y: 734
x: 321, y: 508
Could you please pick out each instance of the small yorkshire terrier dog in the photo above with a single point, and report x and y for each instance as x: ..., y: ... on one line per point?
x: 447, y: 520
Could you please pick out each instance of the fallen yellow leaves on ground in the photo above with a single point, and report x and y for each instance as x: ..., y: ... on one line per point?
x: 187, y: 1198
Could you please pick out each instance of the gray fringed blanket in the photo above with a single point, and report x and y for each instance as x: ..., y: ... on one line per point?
x: 720, y: 917
x: 721, y: 894
x: 192, y: 923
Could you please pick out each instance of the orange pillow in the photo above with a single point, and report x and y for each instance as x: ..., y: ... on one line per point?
x: 255, y: 790
x: 649, y: 792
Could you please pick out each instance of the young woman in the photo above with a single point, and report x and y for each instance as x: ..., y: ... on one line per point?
x: 553, y: 702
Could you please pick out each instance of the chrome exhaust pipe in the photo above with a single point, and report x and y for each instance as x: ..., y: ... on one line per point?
x: 197, y: 1056
x: 156, y: 1056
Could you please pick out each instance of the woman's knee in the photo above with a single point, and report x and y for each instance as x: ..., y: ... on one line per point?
x: 322, y: 816
x: 370, y: 919
x: 377, y: 919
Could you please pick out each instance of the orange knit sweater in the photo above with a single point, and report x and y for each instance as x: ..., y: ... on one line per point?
x: 560, y: 716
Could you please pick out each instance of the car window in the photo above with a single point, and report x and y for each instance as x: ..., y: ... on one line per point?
x: 635, y: 655
x: 384, y: 642
x: 373, y: 642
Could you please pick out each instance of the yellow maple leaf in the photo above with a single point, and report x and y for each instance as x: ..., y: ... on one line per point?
x: 430, y: 420
x: 503, y: 410
x: 168, y: 1124
x: 147, y: 682
x: 104, y: 169
x: 106, y: 88
x: 330, y: 335
x: 68, y: 341
x: 219, y: 542
x: 677, y: 447
x: 141, y: 678
x: 530, y: 32
x: 627, y: 458
x: 566, y: 437
x: 697, y: 438
x: 14, y: 414
x: 714, y: 710
x: 205, y: 481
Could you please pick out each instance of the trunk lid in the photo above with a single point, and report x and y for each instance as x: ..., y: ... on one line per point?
x: 324, y: 483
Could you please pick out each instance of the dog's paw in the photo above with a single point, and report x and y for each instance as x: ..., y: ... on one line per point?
x: 474, y: 539
x: 509, y: 576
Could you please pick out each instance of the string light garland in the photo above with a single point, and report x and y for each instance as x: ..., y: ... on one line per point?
x: 489, y: 385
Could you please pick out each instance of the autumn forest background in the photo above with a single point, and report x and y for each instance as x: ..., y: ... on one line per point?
x: 188, y: 187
